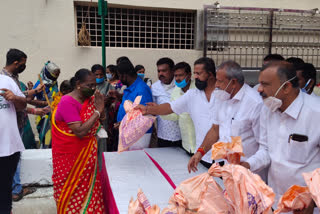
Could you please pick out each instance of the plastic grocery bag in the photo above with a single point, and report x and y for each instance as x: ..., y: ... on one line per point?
x: 232, y: 151
x: 142, y: 206
x: 133, y: 125
x: 312, y: 180
x: 200, y: 194
x: 246, y: 190
x: 295, y: 198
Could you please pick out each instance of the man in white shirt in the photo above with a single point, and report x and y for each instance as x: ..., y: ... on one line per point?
x: 237, y: 114
x: 168, y: 131
x: 289, y: 137
x: 11, y: 100
x: 197, y: 102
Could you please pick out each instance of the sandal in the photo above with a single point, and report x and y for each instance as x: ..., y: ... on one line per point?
x: 25, y: 191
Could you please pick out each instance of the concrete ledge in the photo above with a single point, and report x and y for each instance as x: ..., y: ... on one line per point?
x: 36, y: 167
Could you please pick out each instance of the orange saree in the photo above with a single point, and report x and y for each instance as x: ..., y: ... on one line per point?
x: 76, y: 178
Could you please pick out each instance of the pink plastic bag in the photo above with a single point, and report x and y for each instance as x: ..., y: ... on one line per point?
x: 232, y: 151
x: 295, y: 198
x: 246, y: 190
x: 312, y: 180
x: 142, y: 206
x: 200, y: 194
x: 133, y: 125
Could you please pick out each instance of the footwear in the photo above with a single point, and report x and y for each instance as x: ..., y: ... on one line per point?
x: 25, y: 191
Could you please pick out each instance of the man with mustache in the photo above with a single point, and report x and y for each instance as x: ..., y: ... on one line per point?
x: 197, y: 102
x: 289, y: 141
x: 168, y: 131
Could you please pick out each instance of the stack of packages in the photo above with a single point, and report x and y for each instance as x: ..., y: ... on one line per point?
x: 245, y: 192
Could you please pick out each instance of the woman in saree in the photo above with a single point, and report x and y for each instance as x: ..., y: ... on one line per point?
x: 75, y: 122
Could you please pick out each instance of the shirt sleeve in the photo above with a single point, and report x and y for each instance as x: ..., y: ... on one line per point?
x: 256, y: 121
x: 181, y: 104
x: 261, y: 159
x: 16, y: 90
x: 146, y: 96
x: 215, y: 113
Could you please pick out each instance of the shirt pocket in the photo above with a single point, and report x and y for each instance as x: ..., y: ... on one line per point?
x: 238, y: 127
x: 298, y: 151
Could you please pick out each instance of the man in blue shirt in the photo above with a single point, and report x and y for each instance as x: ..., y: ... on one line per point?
x: 135, y: 87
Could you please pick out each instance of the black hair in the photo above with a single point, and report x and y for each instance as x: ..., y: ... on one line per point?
x: 208, y: 63
x: 138, y: 68
x: 166, y: 60
x: 66, y: 86
x: 273, y: 57
x: 14, y: 55
x: 285, y: 72
x: 183, y: 65
x: 308, y: 72
x: 98, y: 67
x: 126, y: 67
x: 295, y: 61
x: 122, y: 58
x: 80, y: 76
x: 113, y: 70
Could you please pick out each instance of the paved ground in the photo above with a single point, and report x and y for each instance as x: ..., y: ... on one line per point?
x: 40, y: 202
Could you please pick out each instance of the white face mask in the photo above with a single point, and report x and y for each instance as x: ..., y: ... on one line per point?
x: 222, y: 94
x: 272, y: 102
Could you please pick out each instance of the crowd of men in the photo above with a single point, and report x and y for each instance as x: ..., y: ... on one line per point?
x: 276, y: 119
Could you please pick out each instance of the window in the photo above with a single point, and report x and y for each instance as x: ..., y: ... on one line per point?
x: 139, y: 28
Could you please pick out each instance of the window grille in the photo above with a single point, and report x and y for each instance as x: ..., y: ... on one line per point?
x: 139, y: 28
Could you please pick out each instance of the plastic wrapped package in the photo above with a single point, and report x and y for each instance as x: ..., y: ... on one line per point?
x: 295, y: 198
x: 312, y: 180
x: 142, y: 205
x: 133, y: 125
x: 246, y: 190
x: 200, y: 194
x: 232, y: 151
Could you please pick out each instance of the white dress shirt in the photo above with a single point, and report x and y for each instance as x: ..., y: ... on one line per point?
x: 10, y: 139
x: 239, y: 116
x: 167, y: 130
x: 195, y: 102
x: 288, y: 159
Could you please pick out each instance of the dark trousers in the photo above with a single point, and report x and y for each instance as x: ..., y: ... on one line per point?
x: 168, y: 143
x: 8, y: 166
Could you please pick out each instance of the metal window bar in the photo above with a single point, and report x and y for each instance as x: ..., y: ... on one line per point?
x: 246, y: 35
x: 140, y: 28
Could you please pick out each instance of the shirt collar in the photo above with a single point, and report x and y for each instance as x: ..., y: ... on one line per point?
x: 134, y: 84
x: 295, y: 107
x: 169, y: 86
x: 240, y: 93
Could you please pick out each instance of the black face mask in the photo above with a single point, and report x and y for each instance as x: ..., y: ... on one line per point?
x: 21, y: 68
x: 201, y: 85
x: 87, y: 92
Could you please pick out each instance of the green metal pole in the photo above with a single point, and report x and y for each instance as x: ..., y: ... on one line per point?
x: 102, y: 12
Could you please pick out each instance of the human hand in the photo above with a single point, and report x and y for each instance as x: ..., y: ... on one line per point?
x: 40, y: 111
x: 7, y: 95
x: 30, y: 85
x: 99, y: 101
x: 40, y: 88
x: 116, y: 125
x: 114, y: 93
x: 308, y: 210
x: 194, y: 161
x: 142, y: 108
x: 245, y: 165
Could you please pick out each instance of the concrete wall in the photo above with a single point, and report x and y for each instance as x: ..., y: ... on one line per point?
x: 45, y: 29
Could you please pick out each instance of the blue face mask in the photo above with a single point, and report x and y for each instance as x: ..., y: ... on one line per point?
x: 100, y: 80
x: 304, y: 89
x: 109, y: 76
x: 141, y: 75
x: 181, y: 84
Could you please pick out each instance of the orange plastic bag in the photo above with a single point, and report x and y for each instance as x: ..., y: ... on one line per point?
x: 200, y: 194
x: 295, y: 198
x: 312, y: 180
x: 133, y: 125
x: 246, y: 190
x: 142, y: 206
x: 232, y: 152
